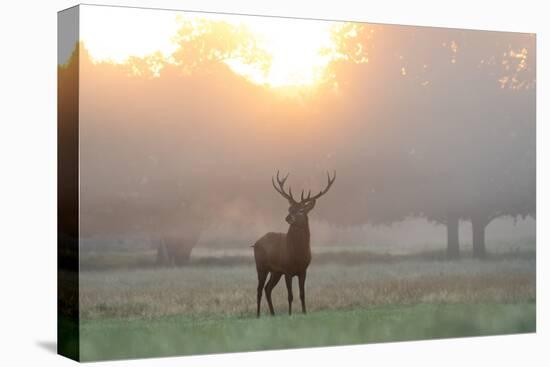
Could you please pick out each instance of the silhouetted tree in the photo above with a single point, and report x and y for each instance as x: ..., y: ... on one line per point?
x: 448, y: 121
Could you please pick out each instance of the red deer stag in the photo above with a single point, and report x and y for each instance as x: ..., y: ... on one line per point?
x: 287, y: 254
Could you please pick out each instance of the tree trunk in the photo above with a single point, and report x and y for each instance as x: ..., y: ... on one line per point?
x: 179, y: 247
x: 183, y: 253
x: 453, y: 247
x: 478, y: 238
x: 163, y: 257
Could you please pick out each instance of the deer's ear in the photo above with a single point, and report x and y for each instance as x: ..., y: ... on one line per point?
x: 309, y: 205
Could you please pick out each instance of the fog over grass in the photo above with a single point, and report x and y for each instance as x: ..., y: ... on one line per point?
x: 212, y: 291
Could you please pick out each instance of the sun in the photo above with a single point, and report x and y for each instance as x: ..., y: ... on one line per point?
x: 300, y: 51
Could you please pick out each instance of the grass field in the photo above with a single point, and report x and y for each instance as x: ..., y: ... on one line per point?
x: 181, y: 335
x: 210, y: 307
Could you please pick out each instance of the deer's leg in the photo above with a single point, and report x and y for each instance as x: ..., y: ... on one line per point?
x: 272, y: 282
x: 288, y: 280
x: 302, y: 284
x: 262, y: 276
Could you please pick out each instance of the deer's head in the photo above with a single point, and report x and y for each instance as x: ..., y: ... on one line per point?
x: 298, y: 210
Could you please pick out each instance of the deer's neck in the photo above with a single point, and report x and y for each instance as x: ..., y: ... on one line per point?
x: 297, y: 239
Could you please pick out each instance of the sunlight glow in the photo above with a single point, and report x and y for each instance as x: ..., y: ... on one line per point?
x: 299, y: 51
x: 114, y: 34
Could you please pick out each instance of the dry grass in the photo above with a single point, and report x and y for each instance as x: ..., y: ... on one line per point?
x: 221, y: 290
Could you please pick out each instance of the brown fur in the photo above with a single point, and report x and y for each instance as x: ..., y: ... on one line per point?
x: 287, y: 254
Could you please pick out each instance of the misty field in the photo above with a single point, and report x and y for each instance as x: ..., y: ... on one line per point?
x: 209, y: 307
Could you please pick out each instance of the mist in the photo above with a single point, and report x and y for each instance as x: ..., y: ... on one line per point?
x: 438, y: 124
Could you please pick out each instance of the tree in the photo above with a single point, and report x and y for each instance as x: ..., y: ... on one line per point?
x: 460, y: 143
x: 133, y: 114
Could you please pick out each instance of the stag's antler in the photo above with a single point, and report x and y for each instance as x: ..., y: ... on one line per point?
x: 330, y: 181
x: 281, y: 188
